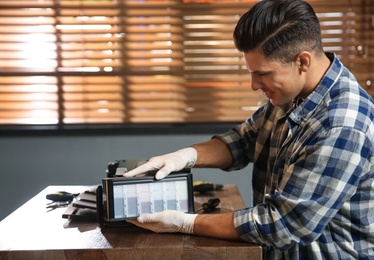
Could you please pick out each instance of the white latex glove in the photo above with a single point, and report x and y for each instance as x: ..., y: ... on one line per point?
x: 169, y: 221
x: 167, y: 163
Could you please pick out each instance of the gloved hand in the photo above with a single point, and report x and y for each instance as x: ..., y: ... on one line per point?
x: 168, y: 221
x: 167, y: 163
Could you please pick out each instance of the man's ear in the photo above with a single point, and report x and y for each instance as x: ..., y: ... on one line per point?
x: 304, y: 60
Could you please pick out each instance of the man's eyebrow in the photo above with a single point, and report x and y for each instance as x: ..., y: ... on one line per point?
x: 258, y: 71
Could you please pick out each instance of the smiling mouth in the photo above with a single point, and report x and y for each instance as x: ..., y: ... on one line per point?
x: 267, y: 94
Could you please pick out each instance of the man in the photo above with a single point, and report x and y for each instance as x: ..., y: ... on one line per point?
x: 311, y: 146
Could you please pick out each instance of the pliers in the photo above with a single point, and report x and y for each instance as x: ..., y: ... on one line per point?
x: 57, y: 204
x: 60, y: 199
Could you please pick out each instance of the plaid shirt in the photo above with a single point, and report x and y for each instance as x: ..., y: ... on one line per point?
x: 313, y: 180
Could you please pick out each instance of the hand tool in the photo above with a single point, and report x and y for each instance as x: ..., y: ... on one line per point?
x: 202, y: 186
x: 57, y: 204
x: 209, y: 205
x: 61, y: 196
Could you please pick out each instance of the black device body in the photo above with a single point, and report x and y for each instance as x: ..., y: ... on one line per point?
x: 119, y: 198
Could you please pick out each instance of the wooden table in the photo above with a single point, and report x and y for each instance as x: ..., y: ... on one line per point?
x: 31, y: 232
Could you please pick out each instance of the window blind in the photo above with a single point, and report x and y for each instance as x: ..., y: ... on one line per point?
x: 348, y: 30
x: 85, y: 62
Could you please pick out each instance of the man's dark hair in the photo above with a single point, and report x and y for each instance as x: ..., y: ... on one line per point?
x: 280, y: 29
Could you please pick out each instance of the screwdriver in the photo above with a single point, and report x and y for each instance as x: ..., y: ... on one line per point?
x: 202, y: 186
x: 209, y: 205
x: 61, y: 196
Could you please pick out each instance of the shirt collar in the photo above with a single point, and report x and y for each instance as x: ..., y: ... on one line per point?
x: 308, y: 105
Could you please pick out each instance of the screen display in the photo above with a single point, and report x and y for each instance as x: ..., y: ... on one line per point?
x: 133, y: 199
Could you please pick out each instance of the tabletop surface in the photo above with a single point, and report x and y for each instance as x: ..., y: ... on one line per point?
x: 31, y: 230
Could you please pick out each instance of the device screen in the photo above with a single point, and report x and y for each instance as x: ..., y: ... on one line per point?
x: 133, y: 199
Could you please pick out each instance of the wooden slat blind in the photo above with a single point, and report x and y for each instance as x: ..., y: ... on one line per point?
x: 348, y: 30
x: 65, y: 62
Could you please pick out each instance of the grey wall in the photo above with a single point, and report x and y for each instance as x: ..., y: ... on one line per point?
x: 29, y: 164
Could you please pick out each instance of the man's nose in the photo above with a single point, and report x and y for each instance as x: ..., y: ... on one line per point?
x: 255, y: 83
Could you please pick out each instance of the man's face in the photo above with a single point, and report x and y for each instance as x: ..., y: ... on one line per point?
x: 280, y: 82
